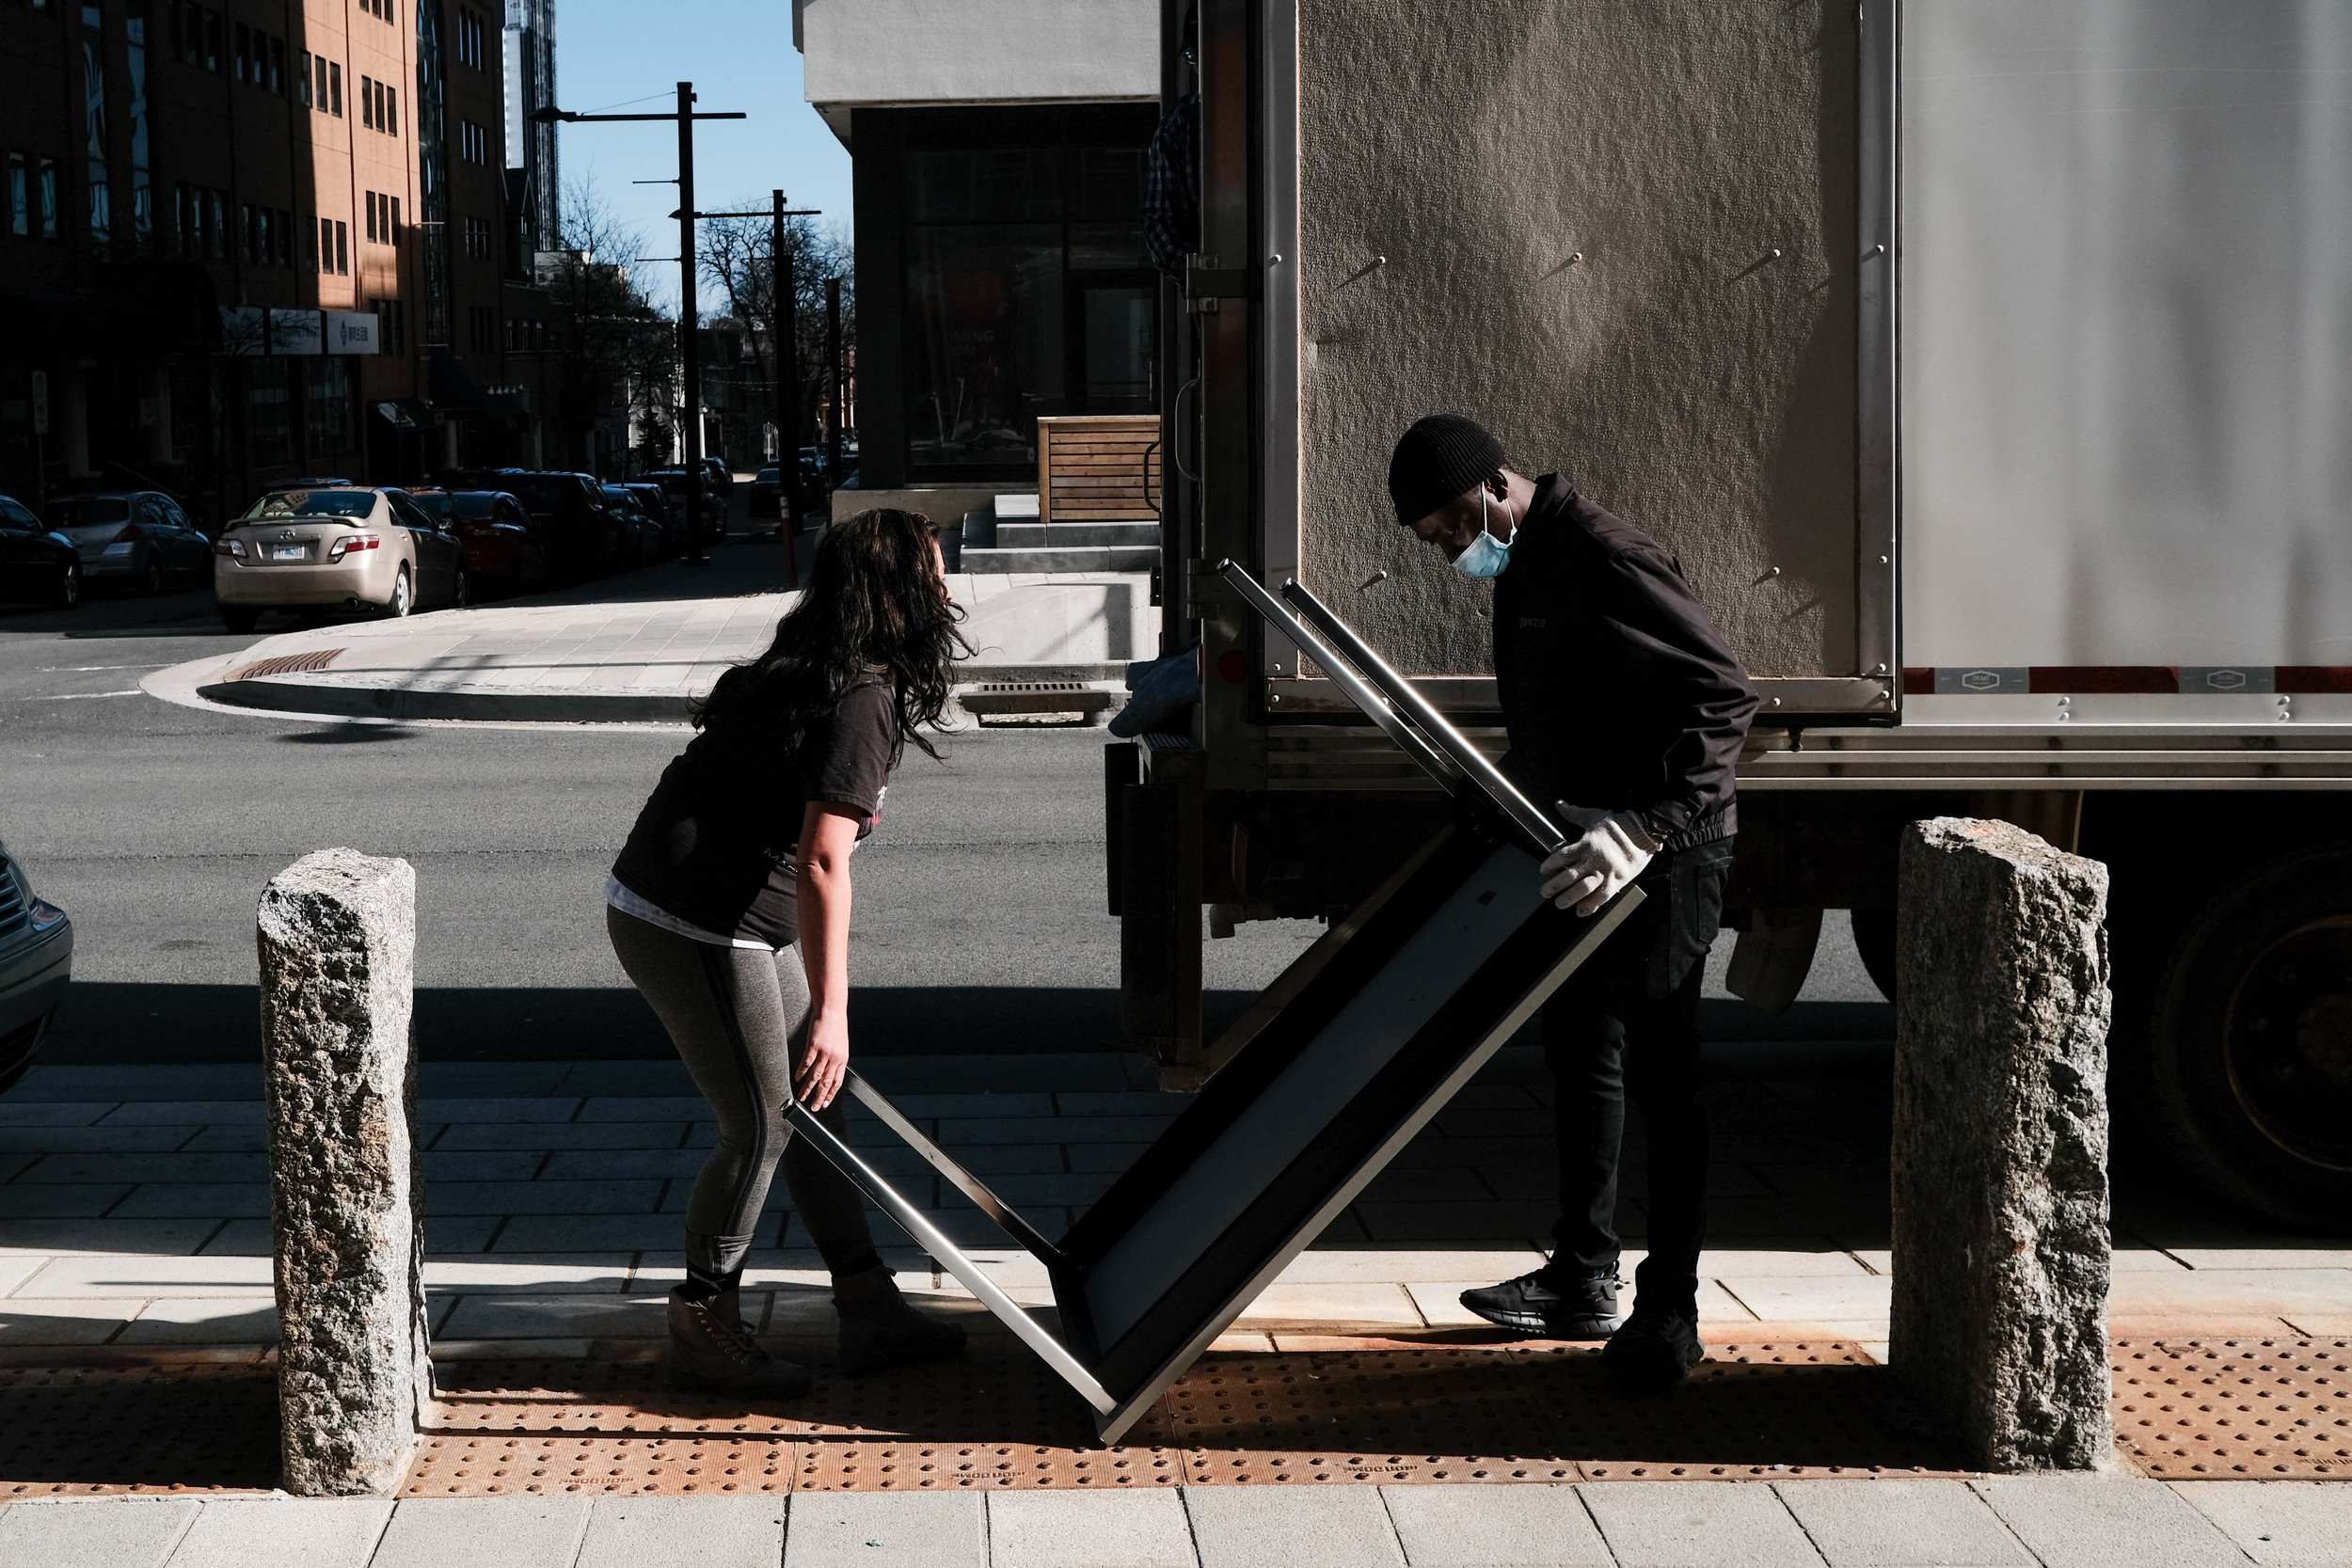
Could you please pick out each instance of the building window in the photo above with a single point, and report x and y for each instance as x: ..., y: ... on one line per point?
x: 45, y: 191
x: 277, y: 66
x: 334, y: 82
x: 1027, y: 293
x: 269, y: 411
x: 469, y: 37
x: 367, y: 103
x: 244, y: 54
x: 343, y: 247
x: 94, y: 121
x: 217, y: 226
x: 20, y: 197
x: 392, y: 325
x: 318, y: 248
x: 388, y: 121
x: 328, y: 406
x: 478, y: 237
x: 135, y: 60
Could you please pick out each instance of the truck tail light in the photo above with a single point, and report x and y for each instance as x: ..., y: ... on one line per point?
x: 350, y: 544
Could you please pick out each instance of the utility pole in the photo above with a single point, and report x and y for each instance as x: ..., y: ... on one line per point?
x: 690, y: 351
x: 784, y: 365
x: 832, y: 359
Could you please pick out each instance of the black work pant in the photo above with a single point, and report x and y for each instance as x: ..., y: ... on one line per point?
x: 1627, y: 1023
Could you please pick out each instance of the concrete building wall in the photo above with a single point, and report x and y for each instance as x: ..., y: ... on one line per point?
x: 1677, y: 374
x: 865, y: 52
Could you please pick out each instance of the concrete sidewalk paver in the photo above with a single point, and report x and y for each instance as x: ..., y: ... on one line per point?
x: 2279, y: 1524
x: 1495, y: 1527
x: 1675, y: 1524
x: 1901, y: 1524
x: 484, y: 1532
x: 885, y: 1529
x: 684, y: 1532
x: 283, y: 1532
x: 2107, y: 1522
x: 1298, y: 1526
x: 1088, y: 1530
x: 106, y: 1532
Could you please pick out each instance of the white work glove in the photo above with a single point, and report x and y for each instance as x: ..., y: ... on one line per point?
x: 1588, y: 872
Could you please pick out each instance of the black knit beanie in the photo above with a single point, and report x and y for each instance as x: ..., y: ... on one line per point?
x: 1441, y: 457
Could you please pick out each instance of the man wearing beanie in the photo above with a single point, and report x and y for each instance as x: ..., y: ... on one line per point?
x: 1625, y: 707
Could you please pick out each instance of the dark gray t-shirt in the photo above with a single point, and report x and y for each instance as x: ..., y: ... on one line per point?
x: 717, y: 843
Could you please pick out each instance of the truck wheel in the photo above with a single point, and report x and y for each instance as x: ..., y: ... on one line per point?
x: 1874, y: 942
x: 2252, y: 1043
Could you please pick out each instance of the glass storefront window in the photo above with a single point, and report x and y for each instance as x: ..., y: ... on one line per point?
x: 142, y: 193
x: 1027, y: 294
x: 328, y: 413
x: 269, y: 410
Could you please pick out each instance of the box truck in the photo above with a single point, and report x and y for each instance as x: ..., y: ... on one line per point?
x: 1987, y: 364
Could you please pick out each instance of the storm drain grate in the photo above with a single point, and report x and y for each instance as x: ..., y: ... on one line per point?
x: 2235, y: 1409
x: 992, y: 699
x: 285, y: 664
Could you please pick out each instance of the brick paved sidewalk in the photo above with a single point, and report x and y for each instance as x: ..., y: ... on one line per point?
x: 133, y: 1205
x: 2071, y: 1522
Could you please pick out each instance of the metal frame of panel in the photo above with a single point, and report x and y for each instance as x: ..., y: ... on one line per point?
x: 1403, y: 996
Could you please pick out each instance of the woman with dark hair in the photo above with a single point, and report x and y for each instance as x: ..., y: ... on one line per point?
x: 729, y: 906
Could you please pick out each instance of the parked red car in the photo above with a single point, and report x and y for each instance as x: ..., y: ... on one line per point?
x: 505, y: 550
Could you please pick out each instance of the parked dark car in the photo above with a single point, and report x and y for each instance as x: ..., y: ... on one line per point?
x: 36, y: 564
x: 663, y: 509
x: 35, y: 963
x: 673, y: 482
x: 761, y: 499
x: 584, y: 532
x: 505, y: 552
x: 643, y: 539
x: 133, y: 539
x: 718, y: 479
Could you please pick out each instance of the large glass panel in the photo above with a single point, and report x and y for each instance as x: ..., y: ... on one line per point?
x: 94, y: 121
x: 2127, y: 332
x: 1120, y: 320
x: 432, y: 175
x: 328, y: 414
x: 1001, y: 185
x: 984, y: 343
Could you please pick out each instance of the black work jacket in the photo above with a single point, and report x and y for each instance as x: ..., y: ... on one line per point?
x: 1618, y: 690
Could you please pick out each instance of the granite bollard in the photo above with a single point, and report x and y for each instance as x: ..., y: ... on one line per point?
x: 338, y: 946
x: 2001, y: 1246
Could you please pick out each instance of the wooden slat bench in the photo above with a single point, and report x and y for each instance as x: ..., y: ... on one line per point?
x: 1098, y: 468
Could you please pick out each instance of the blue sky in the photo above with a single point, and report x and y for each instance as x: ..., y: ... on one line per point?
x: 738, y: 55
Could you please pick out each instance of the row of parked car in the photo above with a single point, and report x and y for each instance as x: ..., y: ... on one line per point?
x: 310, y: 544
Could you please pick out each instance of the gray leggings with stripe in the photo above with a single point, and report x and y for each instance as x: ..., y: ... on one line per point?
x: 739, y: 1019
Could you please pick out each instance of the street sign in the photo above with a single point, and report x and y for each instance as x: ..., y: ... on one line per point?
x: 41, y: 403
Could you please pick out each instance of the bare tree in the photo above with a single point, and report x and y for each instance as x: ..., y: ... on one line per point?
x: 736, y: 256
x: 623, y: 346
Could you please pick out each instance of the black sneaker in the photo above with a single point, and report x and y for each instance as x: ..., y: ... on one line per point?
x: 1655, y: 1350
x: 1556, y: 1306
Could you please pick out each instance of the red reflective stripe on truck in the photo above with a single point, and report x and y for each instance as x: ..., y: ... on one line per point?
x: 2160, y: 679
x: 2312, y: 679
x: 1918, y: 680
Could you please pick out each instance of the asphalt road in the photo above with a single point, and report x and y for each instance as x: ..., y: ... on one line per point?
x: 979, y: 922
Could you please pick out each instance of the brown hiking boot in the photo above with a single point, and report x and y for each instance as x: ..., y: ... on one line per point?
x: 879, y: 1330
x: 709, y: 1348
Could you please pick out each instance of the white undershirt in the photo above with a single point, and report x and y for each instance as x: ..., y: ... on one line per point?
x: 618, y: 895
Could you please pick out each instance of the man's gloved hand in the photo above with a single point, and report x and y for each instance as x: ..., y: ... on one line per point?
x: 1586, y: 872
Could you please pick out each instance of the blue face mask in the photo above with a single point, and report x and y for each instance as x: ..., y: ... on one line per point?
x: 1486, y: 555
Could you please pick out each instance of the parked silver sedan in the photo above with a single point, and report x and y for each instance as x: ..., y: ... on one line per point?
x: 345, y: 549
x: 134, y: 538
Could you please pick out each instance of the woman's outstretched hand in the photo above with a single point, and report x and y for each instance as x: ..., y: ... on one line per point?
x: 818, y: 1078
